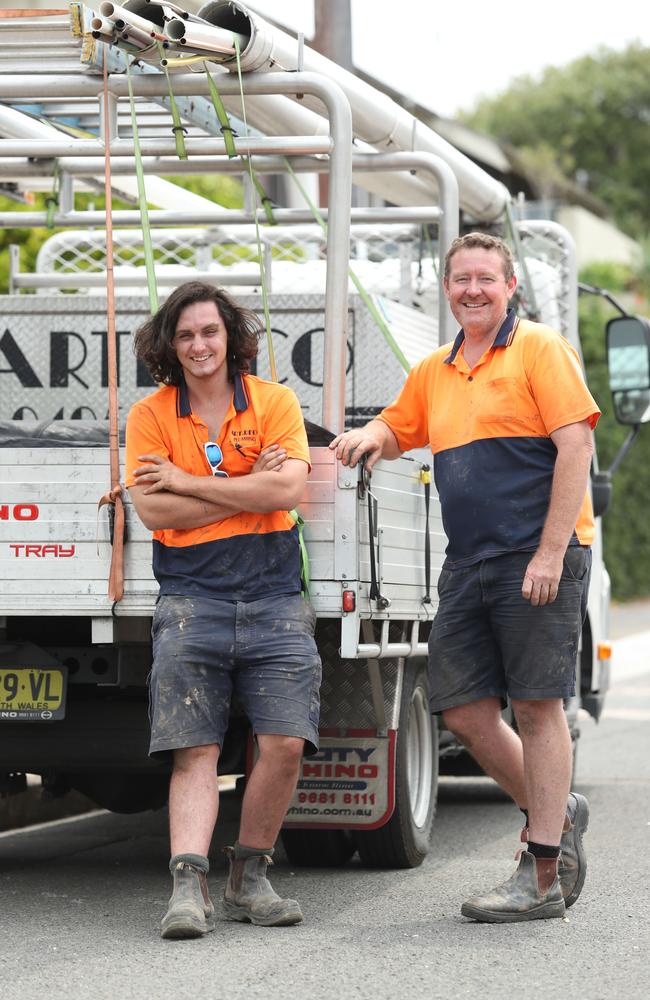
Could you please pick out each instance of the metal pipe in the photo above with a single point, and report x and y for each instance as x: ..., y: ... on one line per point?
x: 68, y: 43
x: 129, y: 14
x: 97, y: 279
x: 217, y: 217
x: 55, y: 148
x: 137, y: 36
x: 394, y: 649
x: 195, y: 35
x: 101, y: 24
x: 41, y: 24
x: 21, y: 127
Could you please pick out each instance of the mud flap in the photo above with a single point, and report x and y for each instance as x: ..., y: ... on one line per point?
x: 349, y: 784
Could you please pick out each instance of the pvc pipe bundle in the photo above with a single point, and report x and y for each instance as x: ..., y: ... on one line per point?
x: 377, y: 120
x: 140, y: 23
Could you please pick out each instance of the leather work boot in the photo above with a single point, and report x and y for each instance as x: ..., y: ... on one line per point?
x: 532, y: 893
x: 573, y: 860
x: 190, y: 913
x: 249, y: 896
x: 572, y: 869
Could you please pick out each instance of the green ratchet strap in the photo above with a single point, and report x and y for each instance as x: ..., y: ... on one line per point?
x: 52, y: 200
x: 178, y: 128
x: 304, y: 555
x: 267, y: 204
x: 142, y: 198
x: 228, y: 138
x: 265, y: 296
x: 221, y: 113
x: 367, y: 299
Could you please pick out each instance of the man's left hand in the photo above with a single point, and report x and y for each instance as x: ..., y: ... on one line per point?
x: 160, y: 474
x: 542, y: 578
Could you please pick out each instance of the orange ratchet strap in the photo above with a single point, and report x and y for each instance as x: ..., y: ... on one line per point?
x: 114, y: 495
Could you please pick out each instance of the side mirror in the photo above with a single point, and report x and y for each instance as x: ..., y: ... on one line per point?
x: 628, y: 361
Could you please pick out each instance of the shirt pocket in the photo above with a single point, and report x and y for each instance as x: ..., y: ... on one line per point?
x: 498, y: 400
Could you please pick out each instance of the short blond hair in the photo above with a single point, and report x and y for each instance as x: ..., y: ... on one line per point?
x: 482, y: 241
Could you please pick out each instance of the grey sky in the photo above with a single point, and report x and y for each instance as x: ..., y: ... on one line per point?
x: 447, y: 56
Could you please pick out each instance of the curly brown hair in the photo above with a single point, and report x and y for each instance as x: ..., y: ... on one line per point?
x: 152, y: 341
x: 481, y: 241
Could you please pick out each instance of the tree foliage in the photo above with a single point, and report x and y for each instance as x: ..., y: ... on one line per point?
x: 590, y: 121
x: 626, y: 526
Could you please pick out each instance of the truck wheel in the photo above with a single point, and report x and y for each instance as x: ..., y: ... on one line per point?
x: 318, y: 848
x: 403, y: 842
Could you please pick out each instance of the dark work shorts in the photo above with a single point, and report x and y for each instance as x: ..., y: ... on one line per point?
x: 205, y: 650
x: 487, y: 641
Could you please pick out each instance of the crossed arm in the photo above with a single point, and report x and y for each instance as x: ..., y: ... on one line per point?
x: 166, y: 497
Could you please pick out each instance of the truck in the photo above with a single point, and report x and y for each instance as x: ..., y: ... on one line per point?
x: 352, y: 297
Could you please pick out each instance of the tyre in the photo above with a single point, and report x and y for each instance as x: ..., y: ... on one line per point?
x: 404, y: 841
x: 318, y: 848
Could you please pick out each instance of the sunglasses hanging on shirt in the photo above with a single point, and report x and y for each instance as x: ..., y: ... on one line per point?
x: 214, y: 455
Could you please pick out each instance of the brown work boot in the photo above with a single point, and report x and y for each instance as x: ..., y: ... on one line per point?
x: 572, y: 869
x: 190, y: 913
x: 249, y: 895
x: 532, y: 893
x: 573, y: 860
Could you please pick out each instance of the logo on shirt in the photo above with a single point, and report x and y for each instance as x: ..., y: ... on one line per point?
x: 244, y: 436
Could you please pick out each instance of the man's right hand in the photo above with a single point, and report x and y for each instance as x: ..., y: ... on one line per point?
x: 369, y: 441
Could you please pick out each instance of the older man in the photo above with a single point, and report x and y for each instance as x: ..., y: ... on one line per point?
x: 508, y: 417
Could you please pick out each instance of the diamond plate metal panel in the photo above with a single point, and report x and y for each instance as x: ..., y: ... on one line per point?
x: 346, y: 698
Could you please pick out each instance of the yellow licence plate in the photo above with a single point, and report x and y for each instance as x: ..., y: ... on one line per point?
x: 32, y: 694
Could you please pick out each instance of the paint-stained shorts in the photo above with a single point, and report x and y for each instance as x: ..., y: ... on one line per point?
x: 488, y: 641
x: 207, y: 650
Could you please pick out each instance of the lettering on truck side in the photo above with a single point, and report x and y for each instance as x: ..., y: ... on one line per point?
x: 42, y: 551
x: 19, y: 512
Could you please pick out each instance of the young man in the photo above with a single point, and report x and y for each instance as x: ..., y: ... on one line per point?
x: 216, y: 458
x: 508, y: 417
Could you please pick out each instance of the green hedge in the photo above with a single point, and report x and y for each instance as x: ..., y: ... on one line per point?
x: 626, y: 525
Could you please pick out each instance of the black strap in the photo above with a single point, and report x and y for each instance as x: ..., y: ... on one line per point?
x: 425, y: 475
x: 375, y: 593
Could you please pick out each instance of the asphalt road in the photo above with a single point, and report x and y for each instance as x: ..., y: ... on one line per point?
x: 80, y: 900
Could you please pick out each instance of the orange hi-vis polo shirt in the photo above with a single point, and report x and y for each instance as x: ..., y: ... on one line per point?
x: 248, y: 555
x: 489, y: 430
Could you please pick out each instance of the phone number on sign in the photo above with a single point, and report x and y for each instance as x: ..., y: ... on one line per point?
x: 347, y: 798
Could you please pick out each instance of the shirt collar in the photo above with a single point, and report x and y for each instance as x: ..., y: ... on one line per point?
x: 503, y: 338
x: 239, y: 395
x: 240, y: 399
